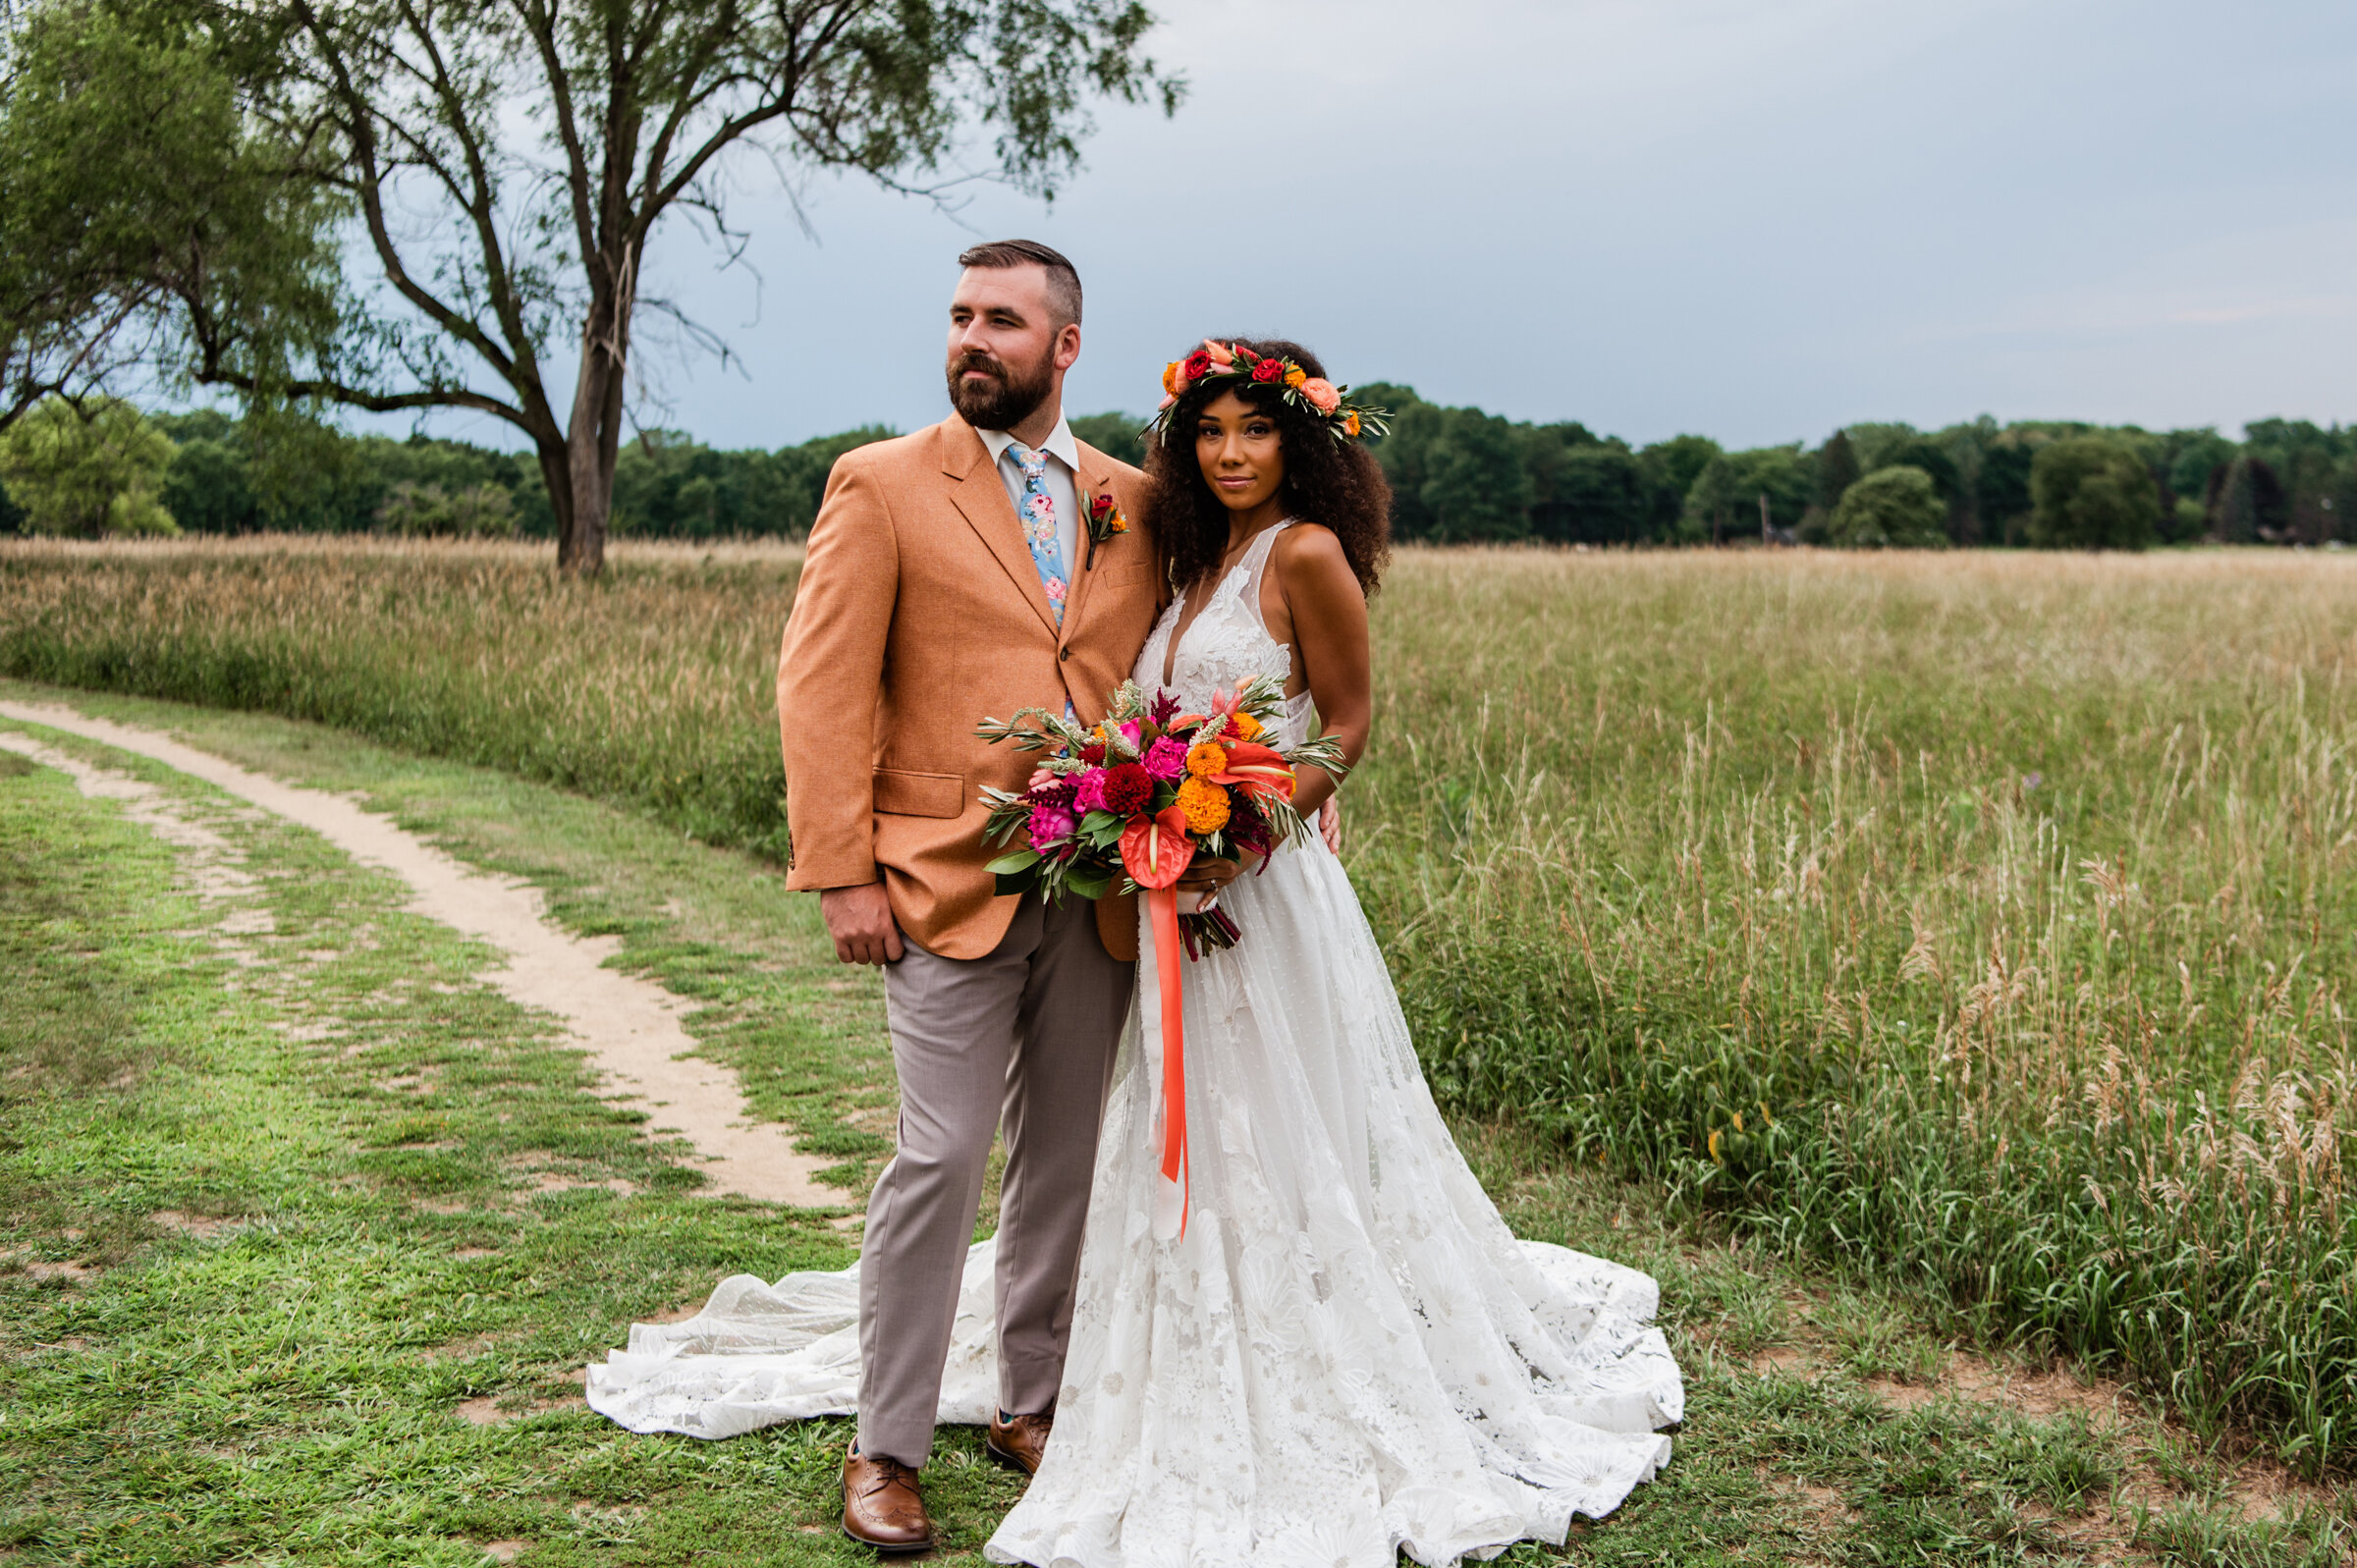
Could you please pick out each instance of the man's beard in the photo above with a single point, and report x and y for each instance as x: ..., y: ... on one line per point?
x: 1005, y: 403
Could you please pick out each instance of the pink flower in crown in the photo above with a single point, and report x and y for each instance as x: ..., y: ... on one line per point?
x: 1220, y: 354
x: 1322, y: 394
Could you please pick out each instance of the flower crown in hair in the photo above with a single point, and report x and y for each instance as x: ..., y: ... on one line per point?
x: 1232, y: 362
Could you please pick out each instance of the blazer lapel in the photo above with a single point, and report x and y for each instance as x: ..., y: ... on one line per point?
x: 1094, y: 479
x: 980, y: 497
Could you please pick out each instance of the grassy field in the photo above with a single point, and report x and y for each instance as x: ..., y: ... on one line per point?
x: 305, y: 1231
x: 1974, y: 922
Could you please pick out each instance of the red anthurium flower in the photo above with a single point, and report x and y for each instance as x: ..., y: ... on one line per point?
x: 1258, y: 771
x: 1156, y: 850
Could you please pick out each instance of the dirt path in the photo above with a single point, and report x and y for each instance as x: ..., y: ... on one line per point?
x: 628, y: 1026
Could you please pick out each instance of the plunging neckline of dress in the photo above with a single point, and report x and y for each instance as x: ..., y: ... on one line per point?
x: 1254, y: 556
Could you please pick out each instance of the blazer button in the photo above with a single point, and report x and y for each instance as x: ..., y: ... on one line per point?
x: 1065, y: 653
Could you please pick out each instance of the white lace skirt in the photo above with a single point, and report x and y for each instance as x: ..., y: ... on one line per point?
x: 1348, y: 1356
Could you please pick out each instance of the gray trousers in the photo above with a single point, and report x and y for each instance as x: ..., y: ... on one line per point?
x: 1022, y: 1040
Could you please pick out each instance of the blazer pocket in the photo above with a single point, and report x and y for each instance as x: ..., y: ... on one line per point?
x: 919, y: 794
x: 1129, y: 572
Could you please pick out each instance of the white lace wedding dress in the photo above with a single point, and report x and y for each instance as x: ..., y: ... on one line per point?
x: 1346, y: 1357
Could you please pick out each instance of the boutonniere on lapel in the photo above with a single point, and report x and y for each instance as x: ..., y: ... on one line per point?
x: 1105, y: 520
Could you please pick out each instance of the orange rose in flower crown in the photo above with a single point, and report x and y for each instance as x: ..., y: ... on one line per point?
x: 1132, y: 802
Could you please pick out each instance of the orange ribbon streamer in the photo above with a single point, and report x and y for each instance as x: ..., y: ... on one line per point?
x: 1162, y: 905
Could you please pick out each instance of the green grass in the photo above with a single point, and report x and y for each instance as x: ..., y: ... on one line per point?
x: 278, y: 1204
x: 270, y: 1211
x: 1977, y: 922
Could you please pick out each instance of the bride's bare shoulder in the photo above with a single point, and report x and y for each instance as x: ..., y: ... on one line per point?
x: 1309, y: 547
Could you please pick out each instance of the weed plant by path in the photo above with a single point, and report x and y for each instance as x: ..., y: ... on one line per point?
x: 1977, y: 920
x: 305, y: 1231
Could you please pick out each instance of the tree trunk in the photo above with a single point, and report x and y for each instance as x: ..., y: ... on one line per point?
x: 583, y: 550
x: 555, y: 476
x: 594, y: 435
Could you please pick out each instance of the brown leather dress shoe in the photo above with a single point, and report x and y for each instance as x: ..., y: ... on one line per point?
x: 880, y: 1505
x: 1019, y: 1440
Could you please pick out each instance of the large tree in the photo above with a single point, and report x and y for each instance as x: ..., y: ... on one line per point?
x: 88, y: 470
x: 1894, y: 508
x: 510, y: 162
x: 135, y: 199
x: 2091, y: 493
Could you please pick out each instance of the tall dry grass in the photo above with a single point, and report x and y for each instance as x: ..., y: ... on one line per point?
x: 654, y: 685
x: 1985, y: 919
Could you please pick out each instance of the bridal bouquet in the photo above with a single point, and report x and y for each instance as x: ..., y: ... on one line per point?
x: 1136, y: 799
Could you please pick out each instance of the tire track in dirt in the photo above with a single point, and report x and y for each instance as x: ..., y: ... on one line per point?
x: 628, y: 1026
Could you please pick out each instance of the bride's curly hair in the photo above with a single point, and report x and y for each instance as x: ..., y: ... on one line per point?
x: 1334, y: 483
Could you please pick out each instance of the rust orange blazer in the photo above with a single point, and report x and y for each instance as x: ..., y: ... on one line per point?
x: 920, y: 613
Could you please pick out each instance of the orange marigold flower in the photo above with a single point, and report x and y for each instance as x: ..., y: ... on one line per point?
x: 1205, y: 805
x: 1205, y: 759
x: 1295, y: 376
x: 1247, y: 728
x: 1351, y: 423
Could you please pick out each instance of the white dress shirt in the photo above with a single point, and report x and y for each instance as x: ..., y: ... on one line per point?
x: 1064, y: 464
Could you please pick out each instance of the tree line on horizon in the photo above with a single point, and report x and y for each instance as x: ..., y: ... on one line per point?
x: 194, y: 198
x: 1458, y: 476
x: 1464, y: 475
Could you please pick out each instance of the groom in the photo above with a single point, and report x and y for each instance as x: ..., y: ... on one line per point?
x: 951, y: 576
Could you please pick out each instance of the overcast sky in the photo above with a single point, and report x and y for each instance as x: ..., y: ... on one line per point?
x: 1756, y: 219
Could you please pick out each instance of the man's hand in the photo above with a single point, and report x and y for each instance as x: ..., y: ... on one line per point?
x: 1330, y: 823
x: 860, y: 919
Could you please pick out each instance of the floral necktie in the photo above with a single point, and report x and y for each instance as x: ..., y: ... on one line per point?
x: 1039, y: 525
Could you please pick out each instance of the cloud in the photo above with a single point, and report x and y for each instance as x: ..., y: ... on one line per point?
x: 1757, y: 218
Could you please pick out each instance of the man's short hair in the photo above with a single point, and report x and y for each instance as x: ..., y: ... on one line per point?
x: 1064, y: 281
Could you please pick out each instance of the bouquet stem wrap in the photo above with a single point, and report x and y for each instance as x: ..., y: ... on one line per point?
x: 1171, y: 1191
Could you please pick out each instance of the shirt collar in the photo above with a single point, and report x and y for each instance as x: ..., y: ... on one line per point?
x: 1060, y: 444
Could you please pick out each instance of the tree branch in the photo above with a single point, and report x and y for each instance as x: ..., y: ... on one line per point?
x: 496, y: 280
x: 539, y: 19
x: 359, y: 125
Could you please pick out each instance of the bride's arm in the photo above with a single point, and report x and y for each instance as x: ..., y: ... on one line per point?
x: 1329, y: 631
x: 1327, y: 627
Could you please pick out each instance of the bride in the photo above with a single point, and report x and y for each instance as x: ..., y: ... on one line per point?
x: 1347, y: 1355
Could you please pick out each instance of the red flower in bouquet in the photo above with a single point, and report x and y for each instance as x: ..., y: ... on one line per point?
x: 1128, y: 789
